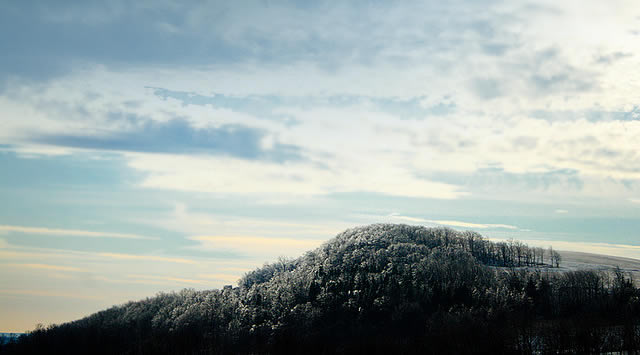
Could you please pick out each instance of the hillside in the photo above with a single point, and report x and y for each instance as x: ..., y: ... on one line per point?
x: 573, y: 261
x: 376, y: 289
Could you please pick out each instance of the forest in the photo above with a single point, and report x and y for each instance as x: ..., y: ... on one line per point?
x: 382, y: 288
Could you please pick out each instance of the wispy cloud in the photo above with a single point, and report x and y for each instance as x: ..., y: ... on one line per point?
x: 170, y: 279
x: 252, y: 245
x: 29, y: 253
x: 407, y: 218
x: 147, y: 258
x: 49, y: 293
x: 266, y: 179
x: 259, y: 242
x: 472, y: 225
x: 179, y: 137
x: 452, y: 223
x: 69, y: 232
x: 230, y: 278
x: 561, y: 211
x: 184, y: 220
x: 47, y: 267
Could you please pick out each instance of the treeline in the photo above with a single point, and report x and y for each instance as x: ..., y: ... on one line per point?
x: 376, y: 289
x: 512, y: 253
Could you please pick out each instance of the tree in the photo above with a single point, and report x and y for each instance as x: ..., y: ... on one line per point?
x: 554, y: 257
x: 540, y: 255
x: 558, y: 258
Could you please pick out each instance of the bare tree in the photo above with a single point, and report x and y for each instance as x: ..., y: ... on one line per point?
x: 554, y: 257
x: 540, y: 255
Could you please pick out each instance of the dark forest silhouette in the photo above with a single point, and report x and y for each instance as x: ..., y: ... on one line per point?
x: 376, y: 289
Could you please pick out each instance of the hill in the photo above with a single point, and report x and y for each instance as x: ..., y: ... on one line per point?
x: 376, y: 289
x: 572, y: 261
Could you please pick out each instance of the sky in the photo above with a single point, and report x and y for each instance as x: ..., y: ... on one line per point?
x: 151, y: 146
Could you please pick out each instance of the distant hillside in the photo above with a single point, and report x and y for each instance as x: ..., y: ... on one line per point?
x: 376, y: 289
x: 572, y: 261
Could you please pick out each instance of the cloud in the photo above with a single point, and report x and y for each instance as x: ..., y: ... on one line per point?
x: 70, y: 232
x: 265, y: 106
x: 26, y: 253
x: 453, y: 223
x: 168, y: 279
x: 147, y: 258
x: 184, y: 220
x: 47, y: 293
x: 178, y: 137
x: 612, y: 57
x: 70, y: 34
x: 228, y: 176
x: 460, y: 38
x: 230, y: 278
x: 561, y: 211
x: 487, y: 89
x: 47, y: 267
x: 88, y: 268
x: 473, y: 225
x: 407, y: 218
x: 204, y: 280
x: 330, y: 147
x: 493, y: 181
x: 362, y: 120
x: 252, y: 245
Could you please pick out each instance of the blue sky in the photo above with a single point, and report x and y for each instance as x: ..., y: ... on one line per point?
x: 154, y: 145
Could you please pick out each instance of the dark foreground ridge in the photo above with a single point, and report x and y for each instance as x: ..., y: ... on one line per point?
x: 375, y: 289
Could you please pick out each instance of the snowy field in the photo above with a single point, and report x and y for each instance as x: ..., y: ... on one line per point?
x: 584, y: 261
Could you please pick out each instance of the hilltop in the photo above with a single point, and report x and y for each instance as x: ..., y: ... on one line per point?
x: 377, y: 289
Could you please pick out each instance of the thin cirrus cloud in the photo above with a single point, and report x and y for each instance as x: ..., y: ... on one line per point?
x: 46, y: 267
x: 202, y: 280
x: 263, y: 105
x: 48, y: 293
x: 147, y: 258
x: 27, y: 253
x: 452, y: 223
x: 222, y: 277
x: 70, y: 232
x: 167, y: 279
x: 472, y: 225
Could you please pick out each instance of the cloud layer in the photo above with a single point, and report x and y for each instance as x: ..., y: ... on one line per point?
x: 69, y: 232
